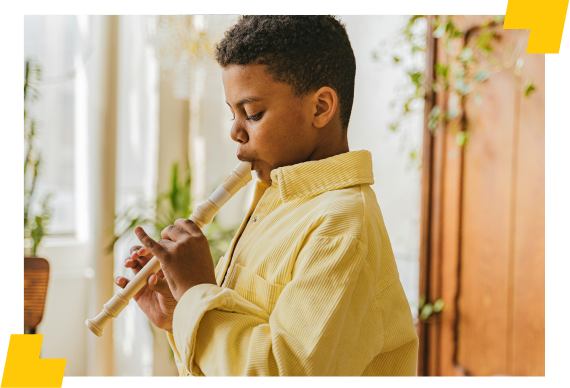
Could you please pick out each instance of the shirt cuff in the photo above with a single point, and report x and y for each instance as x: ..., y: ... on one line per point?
x: 189, y: 312
x: 179, y: 365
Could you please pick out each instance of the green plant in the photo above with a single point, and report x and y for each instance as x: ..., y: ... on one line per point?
x: 470, y: 62
x: 35, y: 222
x: 427, y: 310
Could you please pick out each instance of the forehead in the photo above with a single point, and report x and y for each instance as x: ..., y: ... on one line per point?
x: 242, y: 81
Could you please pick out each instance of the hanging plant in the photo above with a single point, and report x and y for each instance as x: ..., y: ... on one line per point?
x: 469, y: 63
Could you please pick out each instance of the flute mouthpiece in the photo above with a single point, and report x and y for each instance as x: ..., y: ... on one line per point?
x: 244, y: 169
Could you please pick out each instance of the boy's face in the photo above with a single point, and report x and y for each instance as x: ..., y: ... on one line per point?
x: 272, y: 127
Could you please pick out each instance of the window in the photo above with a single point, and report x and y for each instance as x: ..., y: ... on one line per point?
x: 57, y: 46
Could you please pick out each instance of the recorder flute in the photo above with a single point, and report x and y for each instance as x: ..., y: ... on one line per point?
x: 203, y: 215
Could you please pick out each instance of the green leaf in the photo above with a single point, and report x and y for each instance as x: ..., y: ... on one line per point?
x: 448, y: 46
x: 498, y: 18
x: 462, y: 86
x: 461, y: 138
x: 453, y: 100
x: 459, y: 72
x: 456, y: 34
x: 426, y: 311
x: 441, y: 69
x: 396, y: 59
x: 417, y: 77
x: 484, y: 42
x: 481, y: 75
x: 439, y: 31
x: 528, y: 88
x: 466, y: 54
x: 420, y: 92
x: 452, y: 113
x: 438, y: 305
x: 434, y: 118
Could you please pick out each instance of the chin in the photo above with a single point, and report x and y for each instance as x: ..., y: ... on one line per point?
x: 261, y: 176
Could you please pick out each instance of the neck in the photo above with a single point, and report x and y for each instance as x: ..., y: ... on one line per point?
x: 330, y: 146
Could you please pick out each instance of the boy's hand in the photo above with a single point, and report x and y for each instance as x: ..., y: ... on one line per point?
x: 155, y: 298
x: 184, y: 255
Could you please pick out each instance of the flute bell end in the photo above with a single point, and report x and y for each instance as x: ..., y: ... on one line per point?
x: 94, y: 328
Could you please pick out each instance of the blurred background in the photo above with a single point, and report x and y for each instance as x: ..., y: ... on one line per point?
x: 126, y: 124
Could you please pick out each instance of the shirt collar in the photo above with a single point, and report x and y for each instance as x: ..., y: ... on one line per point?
x: 319, y: 176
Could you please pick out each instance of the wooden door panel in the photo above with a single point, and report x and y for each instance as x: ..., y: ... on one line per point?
x: 482, y: 248
x: 485, y: 225
x: 527, y: 336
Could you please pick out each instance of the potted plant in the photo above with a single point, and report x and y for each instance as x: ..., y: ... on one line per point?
x: 36, y: 270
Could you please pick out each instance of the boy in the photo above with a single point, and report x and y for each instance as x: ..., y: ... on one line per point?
x: 309, y: 285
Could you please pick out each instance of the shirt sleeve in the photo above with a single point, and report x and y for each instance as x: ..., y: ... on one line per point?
x: 325, y: 322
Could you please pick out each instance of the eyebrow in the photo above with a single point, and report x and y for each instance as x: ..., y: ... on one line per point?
x: 247, y: 99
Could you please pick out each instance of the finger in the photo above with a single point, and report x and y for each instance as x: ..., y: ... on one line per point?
x: 173, y: 233
x: 133, y: 264
x: 139, y: 260
x: 160, y: 274
x: 154, y: 247
x: 159, y: 285
x: 135, y: 248
x: 130, y: 263
x: 140, y: 263
x: 143, y: 252
x: 188, y: 225
x: 122, y: 282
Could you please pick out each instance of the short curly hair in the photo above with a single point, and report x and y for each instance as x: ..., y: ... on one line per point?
x: 306, y: 52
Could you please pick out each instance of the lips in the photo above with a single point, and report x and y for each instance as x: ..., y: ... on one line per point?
x: 242, y: 159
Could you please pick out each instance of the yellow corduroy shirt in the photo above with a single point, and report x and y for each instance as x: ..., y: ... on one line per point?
x: 310, y: 288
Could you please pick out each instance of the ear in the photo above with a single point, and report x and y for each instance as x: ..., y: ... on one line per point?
x: 325, y: 103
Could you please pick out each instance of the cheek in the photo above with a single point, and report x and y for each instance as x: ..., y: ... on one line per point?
x: 292, y: 123
x: 283, y: 135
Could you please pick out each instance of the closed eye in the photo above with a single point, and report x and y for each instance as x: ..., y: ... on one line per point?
x: 254, y: 118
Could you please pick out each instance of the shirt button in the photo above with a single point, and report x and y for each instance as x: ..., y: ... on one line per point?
x: 255, y: 219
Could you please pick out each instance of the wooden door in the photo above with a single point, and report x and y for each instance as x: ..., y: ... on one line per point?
x: 482, y: 247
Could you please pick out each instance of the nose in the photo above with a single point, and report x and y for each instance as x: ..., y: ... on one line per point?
x: 238, y: 132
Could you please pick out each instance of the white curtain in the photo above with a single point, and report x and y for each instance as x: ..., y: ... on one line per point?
x: 137, y: 136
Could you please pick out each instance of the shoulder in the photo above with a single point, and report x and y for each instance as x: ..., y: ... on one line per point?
x: 343, y: 211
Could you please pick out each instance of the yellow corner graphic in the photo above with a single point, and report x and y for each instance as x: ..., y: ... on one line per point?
x: 545, y: 19
x: 24, y: 368
x: 549, y: 25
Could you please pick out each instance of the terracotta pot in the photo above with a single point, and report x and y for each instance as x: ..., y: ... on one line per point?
x: 36, y: 278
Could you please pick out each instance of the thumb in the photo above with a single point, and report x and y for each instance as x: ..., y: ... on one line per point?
x: 159, y: 285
